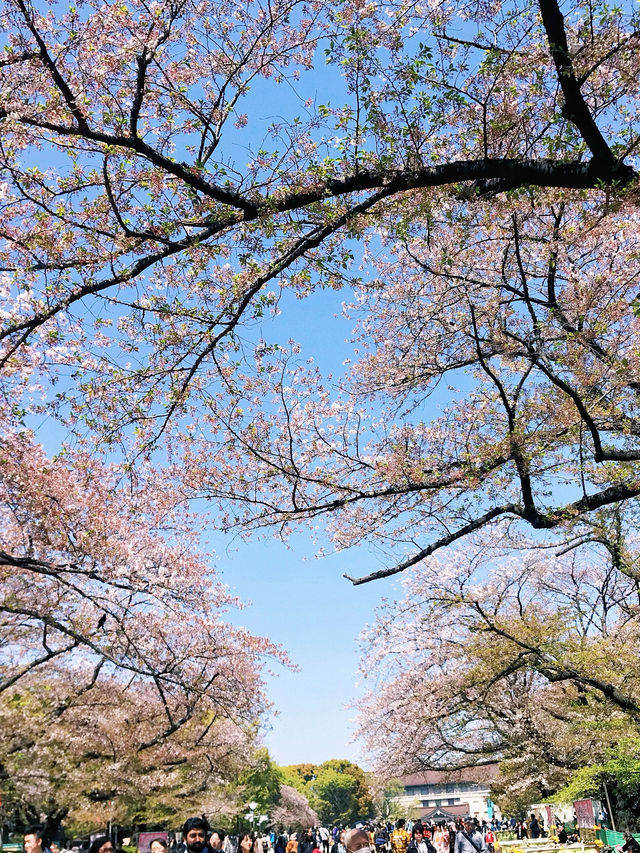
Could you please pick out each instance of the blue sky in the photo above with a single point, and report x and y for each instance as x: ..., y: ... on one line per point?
x: 303, y: 602
x: 299, y: 601
x: 306, y: 605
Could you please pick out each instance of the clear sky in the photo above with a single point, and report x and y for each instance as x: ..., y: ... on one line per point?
x: 302, y: 602
x: 299, y: 601
x: 306, y: 605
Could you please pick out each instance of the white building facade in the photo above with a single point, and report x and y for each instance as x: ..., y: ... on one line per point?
x: 444, y: 795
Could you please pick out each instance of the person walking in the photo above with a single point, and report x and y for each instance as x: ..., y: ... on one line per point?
x: 306, y: 843
x: 323, y: 836
x: 469, y: 839
x: 399, y: 838
x: 441, y: 839
x: 534, y: 826
x: 419, y: 842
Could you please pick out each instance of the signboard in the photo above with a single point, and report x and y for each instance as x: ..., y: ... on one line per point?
x: 584, y: 813
x: 145, y: 839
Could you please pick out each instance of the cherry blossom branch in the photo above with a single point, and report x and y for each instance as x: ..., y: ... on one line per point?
x: 487, y: 48
x: 58, y: 79
x: 13, y: 59
x: 28, y: 326
x: 537, y: 519
x: 76, y: 694
x: 634, y: 36
x: 82, y: 640
x: 557, y: 672
x: 304, y: 244
x: 575, y: 107
x: 461, y: 532
x: 601, y: 453
x: 9, y: 681
x: 516, y: 453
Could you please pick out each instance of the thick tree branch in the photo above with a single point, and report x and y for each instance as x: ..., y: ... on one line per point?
x: 575, y: 107
x: 538, y: 520
x: 474, y: 524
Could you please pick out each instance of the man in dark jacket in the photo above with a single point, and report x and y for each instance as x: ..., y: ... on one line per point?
x: 534, y: 827
x: 195, y: 835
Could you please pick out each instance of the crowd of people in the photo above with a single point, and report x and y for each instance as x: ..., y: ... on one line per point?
x: 381, y: 838
x: 199, y: 837
x: 466, y: 835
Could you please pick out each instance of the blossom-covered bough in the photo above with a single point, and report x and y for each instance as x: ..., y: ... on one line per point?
x: 121, y: 677
x: 172, y: 172
x: 529, y: 661
x: 139, y: 249
x: 114, y: 584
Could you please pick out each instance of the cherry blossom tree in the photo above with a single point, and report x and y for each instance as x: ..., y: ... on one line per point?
x: 97, y: 574
x: 84, y: 763
x: 470, y: 176
x: 122, y: 684
x: 293, y: 811
x: 538, y: 419
x: 530, y: 662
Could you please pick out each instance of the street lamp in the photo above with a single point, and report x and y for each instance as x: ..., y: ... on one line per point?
x: 252, y: 813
